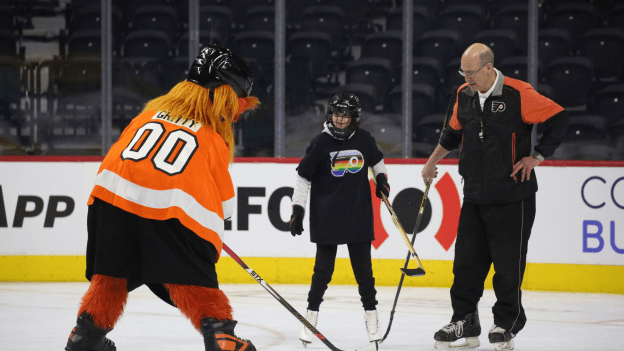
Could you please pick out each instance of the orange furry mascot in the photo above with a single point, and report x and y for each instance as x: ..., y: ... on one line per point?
x: 156, y: 212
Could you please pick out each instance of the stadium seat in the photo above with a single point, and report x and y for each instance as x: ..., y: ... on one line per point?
x: 609, y: 102
x: 423, y: 101
x: 605, y: 46
x: 575, y: 18
x: 426, y: 70
x: 503, y: 42
x: 216, y: 19
x: 517, y: 67
x: 89, y: 18
x: 7, y: 19
x: 452, y: 78
x: 372, y: 70
x: 553, y: 43
x: 585, y: 127
x: 421, y: 23
x: 444, y: 45
x: 84, y: 43
x: 514, y: 17
x: 428, y: 128
x: 315, y: 47
x: 324, y: 18
x: 466, y: 19
x: 148, y: 43
x: 156, y: 17
x: 256, y: 44
x: 571, y: 78
x: 205, y: 38
x: 386, y: 44
x: 616, y: 17
x: 260, y: 18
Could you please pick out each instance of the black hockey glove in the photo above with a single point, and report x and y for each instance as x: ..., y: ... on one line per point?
x: 382, y: 186
x: 296, y: 220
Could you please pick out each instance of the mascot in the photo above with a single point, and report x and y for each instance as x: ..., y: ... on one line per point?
x: 156, y: 212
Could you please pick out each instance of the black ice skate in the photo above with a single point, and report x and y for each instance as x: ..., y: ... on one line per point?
x: 500, y: 338
x: 219, y: 335
x: 468, y: 329
x: 86, y: 336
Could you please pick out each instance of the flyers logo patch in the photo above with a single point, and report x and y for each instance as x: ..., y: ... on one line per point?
x: 346, y: 161
x: 498, y: 106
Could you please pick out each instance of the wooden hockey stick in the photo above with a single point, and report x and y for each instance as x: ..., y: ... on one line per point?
x: 414, y: 272
x: 370, y: 347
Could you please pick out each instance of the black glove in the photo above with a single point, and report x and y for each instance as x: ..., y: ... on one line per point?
x: 296, y: 220
x: 382, y: 185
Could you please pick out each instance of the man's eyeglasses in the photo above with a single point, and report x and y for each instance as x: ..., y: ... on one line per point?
x: 470, y: 74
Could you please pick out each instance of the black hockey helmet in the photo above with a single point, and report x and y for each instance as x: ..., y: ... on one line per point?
x: 347, y: 103
x: 215, y: 66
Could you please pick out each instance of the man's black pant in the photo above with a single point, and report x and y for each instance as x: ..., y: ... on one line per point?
x: 360, y: 255
x: 489, y: 234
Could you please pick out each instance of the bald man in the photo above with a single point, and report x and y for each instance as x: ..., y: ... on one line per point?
x: 490, y: 118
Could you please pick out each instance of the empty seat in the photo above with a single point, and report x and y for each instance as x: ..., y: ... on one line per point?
x: 605, y: 46
x: 84, y: 43
x: 421, y: 23
x: 386, y: 44
x: 140, y: 75
x: 372, y: 70
x: 156, y: 17
x: 570, y: 78
x: 315, y: 47
x: 444, y: 45
x: 324, y: 18
x: 423, y: 100
x: 466, y: 19
x: 585, y: 127
x: 503, y: 42
x: 11, y: 83
x: 174, y: 72
x: 514, y: 17
x: 516, y: 67
x: 553, y: 43
x: 575, y: 18
x: 428, y: 128
x: 260, y: 18
x: 256, y: 44
x: 216, y: 19
x: 616, y: 17
x: 609, y: 102
x: 452, y: 78
x: 426, y: 70
x: 90, y: 18
x: 6, y: 18
x: 147, y: 43
x: 205, y: 38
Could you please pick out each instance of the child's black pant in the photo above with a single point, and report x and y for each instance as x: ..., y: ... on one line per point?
x: 360, y: 255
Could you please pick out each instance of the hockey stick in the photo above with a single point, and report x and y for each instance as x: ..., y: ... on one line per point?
x: 396, y: 298
x: 267, y: 287
x: 414, y: 272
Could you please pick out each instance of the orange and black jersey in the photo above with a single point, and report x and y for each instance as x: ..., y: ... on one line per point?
x: 492, y: 140
x: 164, y: 167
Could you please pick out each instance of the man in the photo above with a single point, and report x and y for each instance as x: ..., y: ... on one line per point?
x: 157, y: 209
x: 491, y: 121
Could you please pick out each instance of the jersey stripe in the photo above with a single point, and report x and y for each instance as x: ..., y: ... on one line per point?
x: 161, y: 199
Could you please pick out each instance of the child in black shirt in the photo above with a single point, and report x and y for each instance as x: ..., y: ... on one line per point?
x: 341, y: 212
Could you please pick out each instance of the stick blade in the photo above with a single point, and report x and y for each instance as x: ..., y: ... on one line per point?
x: 413, y: 272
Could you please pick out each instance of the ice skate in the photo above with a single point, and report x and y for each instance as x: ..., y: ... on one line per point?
x: 371, y: 320
x: 219, y: 335
x: 306, y: 335
x: 500, y: 338
x: 468, y: 329
x: 86, y: 336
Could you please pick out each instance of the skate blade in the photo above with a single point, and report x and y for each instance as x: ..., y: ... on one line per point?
x: 470, y: 343
x: 413, y: 272
x: 499, y: 346
x: 373, y: 346
x: 305, y: 343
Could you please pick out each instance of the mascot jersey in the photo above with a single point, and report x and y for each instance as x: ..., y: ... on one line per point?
x: 166, y: 167
x: 341, y: 208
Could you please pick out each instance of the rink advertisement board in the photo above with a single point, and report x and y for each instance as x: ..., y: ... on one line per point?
x: 579, y: 220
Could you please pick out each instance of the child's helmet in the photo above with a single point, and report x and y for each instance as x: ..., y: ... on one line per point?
x: 215, y: 66
x: 344, y: 103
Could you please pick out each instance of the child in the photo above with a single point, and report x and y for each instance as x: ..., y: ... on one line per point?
x: 341, y: 211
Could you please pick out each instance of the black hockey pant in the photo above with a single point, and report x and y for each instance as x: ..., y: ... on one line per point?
x: 497, y: 234
x: 360, y: 255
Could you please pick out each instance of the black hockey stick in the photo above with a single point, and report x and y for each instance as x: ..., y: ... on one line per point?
x: 421, y: 210
x: 267, y: 287
x: 414, y: 272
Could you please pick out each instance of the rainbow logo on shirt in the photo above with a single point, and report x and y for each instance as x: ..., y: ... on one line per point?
x: 350, y: 161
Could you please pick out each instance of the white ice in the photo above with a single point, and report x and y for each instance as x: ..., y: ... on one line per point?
x: 40, y: 316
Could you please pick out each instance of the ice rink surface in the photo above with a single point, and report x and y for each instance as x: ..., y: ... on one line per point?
x: 40, y: 316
